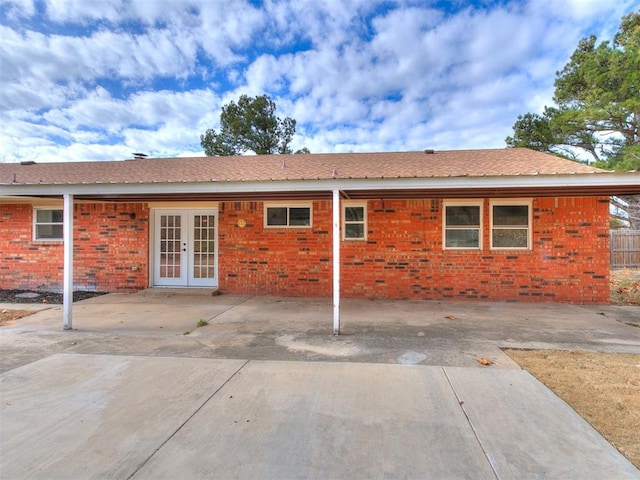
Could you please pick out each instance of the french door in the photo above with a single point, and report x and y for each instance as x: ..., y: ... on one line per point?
x: 185, y: 248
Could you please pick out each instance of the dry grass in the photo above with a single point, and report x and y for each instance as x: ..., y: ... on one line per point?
x: 604, y: 388
x: 8, y: 316
x: 625, y: 287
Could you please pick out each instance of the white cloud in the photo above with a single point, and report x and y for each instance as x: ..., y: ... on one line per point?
x: 19, y: 9
x: 110, y: 77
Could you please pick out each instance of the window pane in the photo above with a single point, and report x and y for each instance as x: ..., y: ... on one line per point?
x: 49, y: 232
x: 354, y: 214
x: 354, y: 230
x: 49, y: 216
x: 510, y: 215
x: 43, y: 216
x: 48, y: 224
x: 510, y: 238
x: 276, y: 216
x: 300, y: 216
x: 462, y: 238
x: 57, y: 216
x: 463, y: 215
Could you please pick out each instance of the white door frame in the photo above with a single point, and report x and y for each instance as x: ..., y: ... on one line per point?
x: 187, y: 279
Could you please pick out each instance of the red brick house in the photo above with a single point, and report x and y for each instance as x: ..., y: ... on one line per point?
x: 504, y: 224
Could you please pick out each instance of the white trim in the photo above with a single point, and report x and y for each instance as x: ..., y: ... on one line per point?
x: 467, y: 182
x: 350, y: 204
x: 509, y: 202
x: 287, y: 205
x: 472, y: 202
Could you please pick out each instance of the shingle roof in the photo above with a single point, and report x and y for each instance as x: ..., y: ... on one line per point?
x: 454, y: 163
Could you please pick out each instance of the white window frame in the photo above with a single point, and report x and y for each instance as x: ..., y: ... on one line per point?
x: 511, y: 202
x: 462, y: 203
x: 36, y: 223
x: 351, y: 204
x: 288, y: 205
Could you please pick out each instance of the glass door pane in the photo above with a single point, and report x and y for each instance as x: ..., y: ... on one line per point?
x: 170, y: 251
x: 170, y: 248
x: 204, y: 249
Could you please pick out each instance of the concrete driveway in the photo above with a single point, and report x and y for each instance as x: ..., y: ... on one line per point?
x: 265, y: 391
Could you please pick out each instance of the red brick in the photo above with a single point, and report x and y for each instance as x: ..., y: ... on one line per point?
x: 402, y: 257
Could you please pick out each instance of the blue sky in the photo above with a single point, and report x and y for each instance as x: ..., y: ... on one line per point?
x: 100, y: 79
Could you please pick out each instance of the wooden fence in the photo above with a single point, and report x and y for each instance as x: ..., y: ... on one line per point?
x: 625, y: 248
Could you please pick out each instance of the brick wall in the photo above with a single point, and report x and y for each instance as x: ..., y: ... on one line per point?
x: 110, y: 249
x: 275, y: 261
x: 403, y: 256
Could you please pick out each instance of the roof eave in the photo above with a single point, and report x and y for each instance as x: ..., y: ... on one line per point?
x: 609, y: 184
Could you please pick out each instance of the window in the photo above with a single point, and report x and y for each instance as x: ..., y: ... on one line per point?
x: 462, y: 225
x: 354, y: 223
x: 511, y: 225
x: 47, y: 224
x: 287, y: 216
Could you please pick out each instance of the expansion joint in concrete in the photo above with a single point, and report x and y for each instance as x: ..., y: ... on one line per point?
x: 195, y: 412
x: 473, y: 429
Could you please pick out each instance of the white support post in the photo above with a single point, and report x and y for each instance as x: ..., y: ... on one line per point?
x: 336, y: 262
x: 67, y: 228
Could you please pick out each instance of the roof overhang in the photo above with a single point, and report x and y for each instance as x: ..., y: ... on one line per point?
x: 605, y: 184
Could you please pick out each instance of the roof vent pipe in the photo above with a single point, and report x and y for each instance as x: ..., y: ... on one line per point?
x: 429, y: 151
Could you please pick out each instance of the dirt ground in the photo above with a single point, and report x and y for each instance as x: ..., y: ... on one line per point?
x: 604, y: 388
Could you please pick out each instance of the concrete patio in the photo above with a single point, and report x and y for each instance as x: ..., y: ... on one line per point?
x: 163, y: 323
x: 264, y: 390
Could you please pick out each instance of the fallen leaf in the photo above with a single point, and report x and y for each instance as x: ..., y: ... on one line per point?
x: 450, y: 317
x: 484, y: 361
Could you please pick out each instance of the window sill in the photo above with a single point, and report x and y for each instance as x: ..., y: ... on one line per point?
x: 48, y: 242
